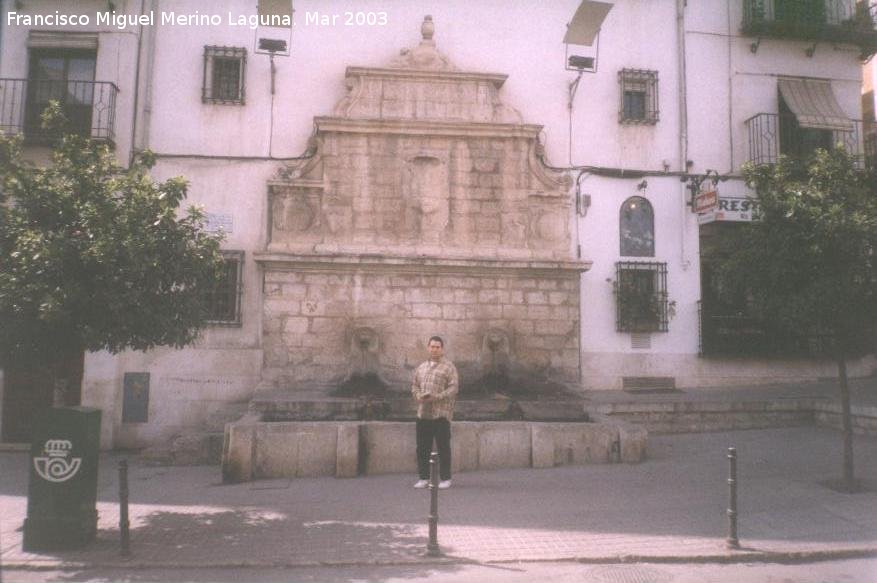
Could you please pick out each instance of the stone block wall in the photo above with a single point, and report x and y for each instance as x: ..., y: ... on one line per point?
x: 442, y: 195
x: 315, y: 317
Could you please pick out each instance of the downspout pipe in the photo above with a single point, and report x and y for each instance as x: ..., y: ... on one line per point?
x: 133, y: 146
x: 683, y: 129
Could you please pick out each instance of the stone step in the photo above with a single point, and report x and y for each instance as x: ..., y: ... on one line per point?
x: 293, y: 407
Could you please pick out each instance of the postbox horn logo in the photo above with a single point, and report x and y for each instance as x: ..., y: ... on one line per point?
x: 57, y: 465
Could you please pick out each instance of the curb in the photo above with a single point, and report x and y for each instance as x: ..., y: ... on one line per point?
x: 733, y: 557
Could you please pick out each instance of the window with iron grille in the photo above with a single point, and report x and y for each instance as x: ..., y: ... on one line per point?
x: 640, y: 297
x: 224, y: 299
x: 639, y: 96
x: 224, y: 74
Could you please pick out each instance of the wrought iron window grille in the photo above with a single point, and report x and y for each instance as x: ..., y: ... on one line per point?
x: 224, y: 75
x: 224, y: 298
x: 641, y: 301
x: 639, y: 96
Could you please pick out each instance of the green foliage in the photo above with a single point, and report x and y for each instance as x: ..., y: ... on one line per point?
x: 808, y: 265
x: 94, y: 256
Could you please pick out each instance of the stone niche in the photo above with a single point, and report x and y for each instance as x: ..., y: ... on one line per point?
x: 425, y: 209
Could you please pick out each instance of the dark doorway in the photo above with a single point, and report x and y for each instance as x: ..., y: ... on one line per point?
x: 30, y: 390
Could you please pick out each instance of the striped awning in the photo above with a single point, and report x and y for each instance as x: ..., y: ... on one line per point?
x: 814, y: 105
x: 40, y: 39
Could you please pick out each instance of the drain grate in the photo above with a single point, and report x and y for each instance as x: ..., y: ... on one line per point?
x: 627, y: 574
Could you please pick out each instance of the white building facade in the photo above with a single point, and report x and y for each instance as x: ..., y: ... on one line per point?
x: 683, y: 92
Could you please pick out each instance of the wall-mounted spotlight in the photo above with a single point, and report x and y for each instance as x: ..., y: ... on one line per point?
x: 272, y: 45
x: 584, y: 31
x: 581, y: 63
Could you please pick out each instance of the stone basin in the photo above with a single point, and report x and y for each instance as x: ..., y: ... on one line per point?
x: 257, y: 449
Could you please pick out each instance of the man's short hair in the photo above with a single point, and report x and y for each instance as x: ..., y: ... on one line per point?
x: 437, y: 339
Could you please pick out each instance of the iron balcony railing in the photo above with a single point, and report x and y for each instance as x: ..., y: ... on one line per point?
x: 90, y: 106
x: 846, y: 21
x: 772, y: 134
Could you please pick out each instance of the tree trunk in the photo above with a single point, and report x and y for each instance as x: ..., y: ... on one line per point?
x: 846, y: 423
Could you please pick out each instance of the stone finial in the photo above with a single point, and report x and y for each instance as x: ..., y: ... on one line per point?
x: 424, y: 56
x: 427, y: 29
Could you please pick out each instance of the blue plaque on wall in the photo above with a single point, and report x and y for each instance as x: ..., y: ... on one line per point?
x: 135, y: 403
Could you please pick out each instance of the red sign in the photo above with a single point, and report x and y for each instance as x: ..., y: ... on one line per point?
x: 706, y: 201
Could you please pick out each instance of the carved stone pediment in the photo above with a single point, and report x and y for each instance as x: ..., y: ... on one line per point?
x: 420, y: 159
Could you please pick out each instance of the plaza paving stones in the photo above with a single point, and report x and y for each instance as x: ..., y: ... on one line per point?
x: 669, y: 508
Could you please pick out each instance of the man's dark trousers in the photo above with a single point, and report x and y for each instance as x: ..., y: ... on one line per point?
x: 440, y: 431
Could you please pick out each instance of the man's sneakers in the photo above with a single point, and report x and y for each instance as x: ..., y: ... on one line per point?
x: 443, y: 485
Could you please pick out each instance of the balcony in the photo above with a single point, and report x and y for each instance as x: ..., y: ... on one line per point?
x: 772, y: 134
x: 836, y: 21
x: 90, y: 106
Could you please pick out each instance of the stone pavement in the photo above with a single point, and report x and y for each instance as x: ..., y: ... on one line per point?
x: 669, y: 508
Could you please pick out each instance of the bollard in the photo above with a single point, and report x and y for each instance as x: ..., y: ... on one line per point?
x: 432, y: 547
x: 125, y: 540
x: 733, y: 541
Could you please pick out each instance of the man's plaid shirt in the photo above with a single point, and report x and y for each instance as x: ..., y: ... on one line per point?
x: 440, y: 380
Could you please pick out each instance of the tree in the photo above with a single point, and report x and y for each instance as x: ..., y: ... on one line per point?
x: 808, y: 264
x: 94, y: 256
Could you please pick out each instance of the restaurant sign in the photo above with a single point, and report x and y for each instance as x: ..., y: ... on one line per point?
x: 730, y: 209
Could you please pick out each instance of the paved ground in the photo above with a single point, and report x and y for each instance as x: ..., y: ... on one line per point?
x: 840, y: 571
x: 669, y: 508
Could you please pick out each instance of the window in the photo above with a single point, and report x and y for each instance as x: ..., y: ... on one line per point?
x: 224, y: 300
x: 636, y: 224
x: 224, y: 74
x: 641, y: 297
x: 63, y: 75
x: 810, y: 12
x: 639, y: 96
x: 796, y: 140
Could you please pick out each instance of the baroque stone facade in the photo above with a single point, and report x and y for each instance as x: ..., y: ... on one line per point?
x: 425, y: 209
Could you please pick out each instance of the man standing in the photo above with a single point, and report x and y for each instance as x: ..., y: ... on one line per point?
x: 435, y: 389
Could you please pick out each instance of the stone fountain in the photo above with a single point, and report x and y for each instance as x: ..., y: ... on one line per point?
x: 426, y: 208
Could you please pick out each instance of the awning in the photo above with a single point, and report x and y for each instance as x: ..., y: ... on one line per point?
x: 39, y: 39
x: 586, y: 23
x: 814, y: 105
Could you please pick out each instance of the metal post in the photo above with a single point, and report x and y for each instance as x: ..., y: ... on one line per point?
x: 125, y: 540
x: 432, y: 547
x: 733, y: 541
